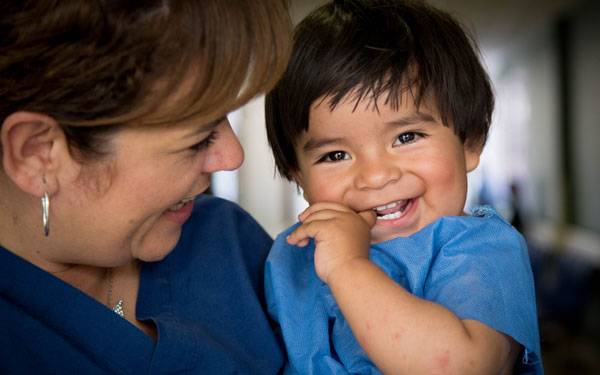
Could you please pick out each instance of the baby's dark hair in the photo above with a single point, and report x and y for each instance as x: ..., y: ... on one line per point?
x: 379, y: 49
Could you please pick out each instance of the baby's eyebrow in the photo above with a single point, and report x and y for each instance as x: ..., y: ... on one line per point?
x: 317, y: 143
x: 411, y: 119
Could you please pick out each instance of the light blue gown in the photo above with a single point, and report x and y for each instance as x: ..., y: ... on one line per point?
x: 476, y: 266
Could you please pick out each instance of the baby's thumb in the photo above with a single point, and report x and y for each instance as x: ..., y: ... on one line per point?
x: 369, y: 216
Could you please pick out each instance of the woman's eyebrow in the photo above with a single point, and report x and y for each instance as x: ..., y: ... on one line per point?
x: 204, y: 128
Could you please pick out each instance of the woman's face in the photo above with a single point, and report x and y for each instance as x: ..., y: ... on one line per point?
x: 144, y: 194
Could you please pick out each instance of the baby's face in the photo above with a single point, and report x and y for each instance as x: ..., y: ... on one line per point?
x: 403, y: 164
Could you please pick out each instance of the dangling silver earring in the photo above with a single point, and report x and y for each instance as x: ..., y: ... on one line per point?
x: 45, y: 213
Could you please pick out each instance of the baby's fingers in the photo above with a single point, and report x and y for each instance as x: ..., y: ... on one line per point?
x: 302, y: 235
x: 325, y: 214
x: 298, y: 237
x: 300, y: 243
x: 369, y: 216
x: 321, y: 206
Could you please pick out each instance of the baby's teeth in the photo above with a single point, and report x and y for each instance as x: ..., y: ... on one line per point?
x: 386, y: 206
x: 391, y: 216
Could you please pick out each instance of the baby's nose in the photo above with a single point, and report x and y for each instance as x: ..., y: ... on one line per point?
x: 376, y: 174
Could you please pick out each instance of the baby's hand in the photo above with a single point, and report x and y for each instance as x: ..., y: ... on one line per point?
x: 340, y: 235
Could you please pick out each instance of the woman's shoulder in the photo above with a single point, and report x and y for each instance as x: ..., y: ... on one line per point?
x: 216, y: 213
x: 217, y: 224
x: 204, y: 204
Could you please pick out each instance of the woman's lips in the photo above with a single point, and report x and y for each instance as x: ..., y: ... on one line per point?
x: 178, y: 206
x: 181, y: 211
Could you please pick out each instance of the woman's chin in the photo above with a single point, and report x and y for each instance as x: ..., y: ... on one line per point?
x: 156, y: 247
x: 154, y: 257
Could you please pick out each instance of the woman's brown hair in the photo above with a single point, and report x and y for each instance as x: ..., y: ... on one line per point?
x: 95, y: 63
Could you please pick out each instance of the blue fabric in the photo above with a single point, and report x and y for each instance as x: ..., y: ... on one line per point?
x: 476, y: 266
x: 206, y: 299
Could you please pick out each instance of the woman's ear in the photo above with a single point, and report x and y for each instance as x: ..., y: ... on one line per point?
x: 33, y: 145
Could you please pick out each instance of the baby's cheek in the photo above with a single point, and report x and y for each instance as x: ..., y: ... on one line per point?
x: 443, y: 171
x: 447, y: 177
x: 327, y: 190
x: 449, y: 188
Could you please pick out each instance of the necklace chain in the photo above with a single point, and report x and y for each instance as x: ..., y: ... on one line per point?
x: 118, y: 308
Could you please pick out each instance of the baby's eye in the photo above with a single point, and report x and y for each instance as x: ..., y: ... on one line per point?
x: 334, y: 156
x: 407, y: 137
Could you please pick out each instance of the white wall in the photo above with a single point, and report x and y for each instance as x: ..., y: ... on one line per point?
x: 256, y: 186
x: 274, y: 202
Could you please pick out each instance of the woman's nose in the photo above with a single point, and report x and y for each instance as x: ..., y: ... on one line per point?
x: 376, y: 173
x: 226, y: 154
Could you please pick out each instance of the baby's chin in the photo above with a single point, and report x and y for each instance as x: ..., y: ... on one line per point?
x: 385, y: 232
x: 377, y: 236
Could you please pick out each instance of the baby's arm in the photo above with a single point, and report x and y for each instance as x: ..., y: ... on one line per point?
x: 400, y: 332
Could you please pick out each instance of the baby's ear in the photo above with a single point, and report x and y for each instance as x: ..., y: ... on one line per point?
x: 472, y: 155
x: 32, y: 144
x: 297, y: 178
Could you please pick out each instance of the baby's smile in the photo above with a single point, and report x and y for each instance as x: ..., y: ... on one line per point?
x: 393, y: 210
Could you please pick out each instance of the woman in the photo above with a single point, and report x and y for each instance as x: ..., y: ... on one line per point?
x: 113, y: 119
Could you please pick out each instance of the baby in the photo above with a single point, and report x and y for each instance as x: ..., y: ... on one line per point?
x: 383, y: 111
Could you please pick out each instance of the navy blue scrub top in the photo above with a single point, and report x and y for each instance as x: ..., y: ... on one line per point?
x: 206, y: 299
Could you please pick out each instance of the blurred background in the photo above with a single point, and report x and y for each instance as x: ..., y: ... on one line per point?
x: 540, y: 167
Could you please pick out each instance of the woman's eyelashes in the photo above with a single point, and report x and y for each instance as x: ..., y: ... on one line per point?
x: 205, y: 143
x: 209, y: 140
